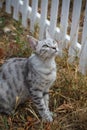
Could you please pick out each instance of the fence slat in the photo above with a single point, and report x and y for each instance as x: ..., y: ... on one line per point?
x: 8, y: 6
x: 0, y: 4
x: 16, y: 9
x: 12, y: 3
x: 33, y: 14
x: 64, y: 22
x: 25, y: 12
x: 44, y: 4
x: 53, y: 19
x: 84, y: 33
x: 83, y: 54
x: 74, y: 48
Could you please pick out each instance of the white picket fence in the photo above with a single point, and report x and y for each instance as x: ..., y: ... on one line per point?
x: 59, y: 33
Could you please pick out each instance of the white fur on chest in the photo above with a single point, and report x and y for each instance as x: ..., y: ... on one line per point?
x: 46, y: 69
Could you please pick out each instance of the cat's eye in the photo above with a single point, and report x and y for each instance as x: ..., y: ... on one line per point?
x: 45, y: 45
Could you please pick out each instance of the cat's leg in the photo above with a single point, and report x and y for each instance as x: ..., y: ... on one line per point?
x: 46, y: 100
x: 4, y: 107
x: 37, y: 97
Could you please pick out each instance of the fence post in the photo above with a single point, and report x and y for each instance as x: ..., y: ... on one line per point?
x: 33, y: 14
x: 44, y: 4
x: 74, y: 49
x: 53, y: 19
x: 25, y: 12
x: 8, y: 6
x: 16, y: 9
x: 83, y: 54
x: 64, y: 22
x: 0, y: 4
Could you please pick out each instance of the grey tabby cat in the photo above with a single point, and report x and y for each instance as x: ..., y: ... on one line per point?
x: 21, y: 78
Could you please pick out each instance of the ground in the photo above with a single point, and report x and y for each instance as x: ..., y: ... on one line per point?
x: 68, y: 96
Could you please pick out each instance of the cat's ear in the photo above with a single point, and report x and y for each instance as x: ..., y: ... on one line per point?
x: 32, y: 41
x: 47, y: 34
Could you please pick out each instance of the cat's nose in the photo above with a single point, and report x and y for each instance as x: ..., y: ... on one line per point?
x: 57, y: 49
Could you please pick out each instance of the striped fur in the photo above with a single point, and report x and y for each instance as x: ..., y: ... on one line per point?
x: 33, y: 76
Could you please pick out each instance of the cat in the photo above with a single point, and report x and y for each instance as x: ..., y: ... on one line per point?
x: 21, y: 78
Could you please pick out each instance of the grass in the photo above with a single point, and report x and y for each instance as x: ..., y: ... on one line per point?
x: 68, y: 96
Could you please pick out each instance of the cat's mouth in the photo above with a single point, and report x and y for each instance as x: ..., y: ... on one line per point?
x: 57, y: 52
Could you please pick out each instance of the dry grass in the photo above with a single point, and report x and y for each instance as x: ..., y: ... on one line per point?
x: 68, y: 96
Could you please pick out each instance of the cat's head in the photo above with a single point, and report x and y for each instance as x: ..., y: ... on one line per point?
x: 46, y: 48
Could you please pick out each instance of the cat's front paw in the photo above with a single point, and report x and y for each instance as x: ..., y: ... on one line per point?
x: 47, y: 117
